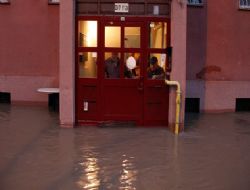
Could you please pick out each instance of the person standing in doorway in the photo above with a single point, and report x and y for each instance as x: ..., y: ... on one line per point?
x: 112, y: 66
x: 154, y: 71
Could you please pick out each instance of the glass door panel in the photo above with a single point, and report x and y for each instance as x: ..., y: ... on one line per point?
x: 112, y: 36
x: 87, y: 64
x: 158, y: 35
x: 157, y: 66
x: 132, y: 66
x: 112, y: 65
x: 87, y: 33
x: 132, y: 37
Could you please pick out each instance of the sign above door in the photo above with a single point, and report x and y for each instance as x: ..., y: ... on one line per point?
x: 154, y: 8
x: 121, y: 7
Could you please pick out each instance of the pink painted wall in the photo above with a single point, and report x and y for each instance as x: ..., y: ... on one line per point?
x: 228, y: 40
x: 225, y: 74
x: 29, y: 50
x: 67, y: 63
x: 196, y: 39
x: 178, y: 42
x: 217, y: 48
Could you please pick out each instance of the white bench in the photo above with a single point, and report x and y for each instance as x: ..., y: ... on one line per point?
x: 48, y: 90
x: 53, y: 97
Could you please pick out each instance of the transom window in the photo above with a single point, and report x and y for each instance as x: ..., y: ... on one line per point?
x: 195, y: 2
x: 244, y: 4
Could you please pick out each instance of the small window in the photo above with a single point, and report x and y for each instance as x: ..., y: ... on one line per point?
x: 54, y: 2
x: 242, y: 105
x: 244, y: 4
x: 195, y: 2
x: 4, y: 1
x: 5, y: 97
x: 192, y: 105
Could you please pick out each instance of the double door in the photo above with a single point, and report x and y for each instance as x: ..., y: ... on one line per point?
x: 114, y: 78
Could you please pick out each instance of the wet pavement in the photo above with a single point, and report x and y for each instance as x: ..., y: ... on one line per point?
x: 212, y: 154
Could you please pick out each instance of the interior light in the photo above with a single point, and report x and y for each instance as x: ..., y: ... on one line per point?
x: 152, y: 25
x: 156, y: 9
x: 91, y: 33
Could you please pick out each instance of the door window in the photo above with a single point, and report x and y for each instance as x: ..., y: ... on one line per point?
x: 87, y: 65
x: 112, y: 36
x: 158, y: 35
x: 156, y: 66
x: 87, y: 34
x: 132, y: 65
x: 112, y: 65
x: 132, y: 37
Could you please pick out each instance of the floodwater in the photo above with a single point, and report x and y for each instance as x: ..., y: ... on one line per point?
x: 35, y: 153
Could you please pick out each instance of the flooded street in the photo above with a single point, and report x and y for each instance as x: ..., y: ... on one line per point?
x: 35, y: 153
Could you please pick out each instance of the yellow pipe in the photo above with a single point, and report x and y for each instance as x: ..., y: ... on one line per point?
x: 178, y: 103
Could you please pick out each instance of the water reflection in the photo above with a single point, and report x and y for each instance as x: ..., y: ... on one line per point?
x: 4, y: 112
x: 90, y: 179
x: 129, y: 173
x: 213, y: 153
x: 92, y: 173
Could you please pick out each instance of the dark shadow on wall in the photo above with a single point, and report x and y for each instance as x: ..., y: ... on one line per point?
x: 196, y: 53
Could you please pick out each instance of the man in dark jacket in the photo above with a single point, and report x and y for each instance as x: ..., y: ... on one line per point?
x: 112, y: 66
x: 155, y: 71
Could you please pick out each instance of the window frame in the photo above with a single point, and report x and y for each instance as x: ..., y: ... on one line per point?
x: 194, y: 3
x: 53, y: 2
x: 3, y: 2
x: 244, y: 7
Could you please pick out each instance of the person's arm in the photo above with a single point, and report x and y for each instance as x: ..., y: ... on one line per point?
x: 161, y: 74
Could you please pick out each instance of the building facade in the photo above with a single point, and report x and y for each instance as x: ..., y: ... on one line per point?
x: 66, y: 44
x: 218, y: 54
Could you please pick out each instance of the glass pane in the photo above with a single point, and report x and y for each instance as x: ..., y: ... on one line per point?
x: 132, y: 65
x: 158, y: 35
x: 112, y: 65
x: 112, y: 36
x: 87, y: 64
x: 156, y: 66
x: 132, y: 37
x: 87, y: 34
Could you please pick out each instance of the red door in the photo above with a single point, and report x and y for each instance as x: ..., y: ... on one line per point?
x: 122, y: 80
x: 115, y: 81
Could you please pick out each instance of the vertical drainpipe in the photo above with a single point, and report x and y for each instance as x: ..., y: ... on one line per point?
x: 178, y: 103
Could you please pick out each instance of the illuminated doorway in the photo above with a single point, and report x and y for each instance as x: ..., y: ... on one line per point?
x: 120, y: 70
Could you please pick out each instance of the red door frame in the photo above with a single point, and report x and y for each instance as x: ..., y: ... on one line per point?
x: 98, y: 83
